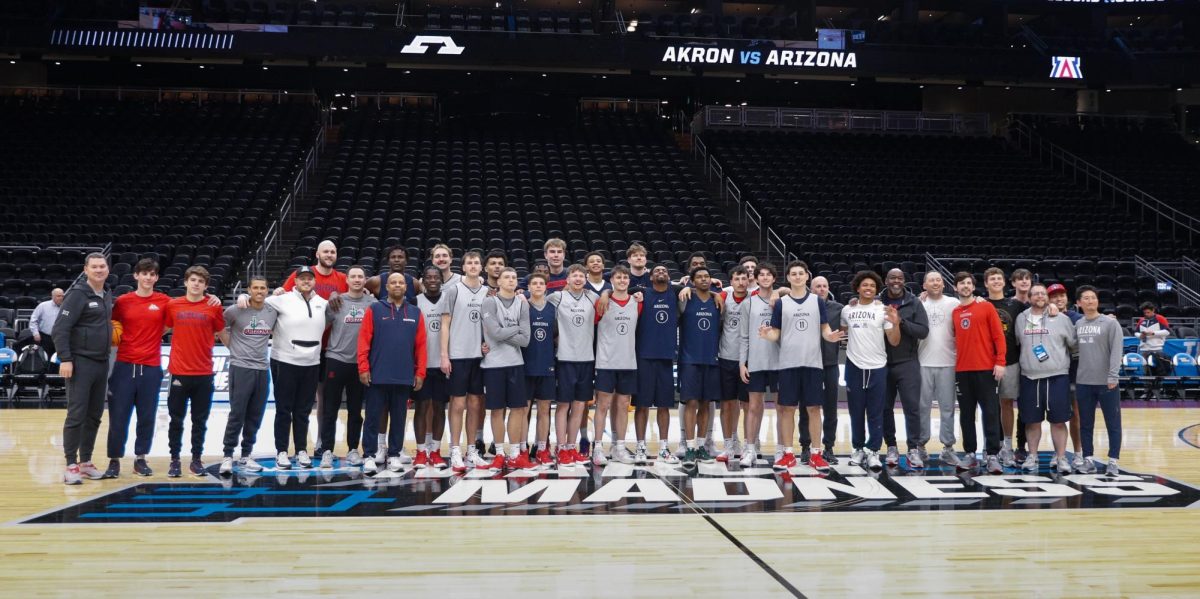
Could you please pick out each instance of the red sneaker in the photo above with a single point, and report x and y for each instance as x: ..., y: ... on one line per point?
x: 435, y: 460
x: 723, y: 457
x: 497, y: 463
x: 576, y: 457
x: 422, y: 459
x: 522, y: 462
x: 565, y: 458
x: 818, y: 462
x: 544, y: 457
x: 788, y: 460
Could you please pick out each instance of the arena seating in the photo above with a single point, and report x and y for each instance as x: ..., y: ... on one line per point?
x: 845, y: 202
x: 186, y: 183
x: 1148, y: 153
x: 400, y: 177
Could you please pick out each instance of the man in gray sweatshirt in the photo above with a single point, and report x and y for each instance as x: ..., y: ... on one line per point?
x: 505, y: 332
x: 345, y: 316
x: 1100, y: 347
x: 1045, y: 342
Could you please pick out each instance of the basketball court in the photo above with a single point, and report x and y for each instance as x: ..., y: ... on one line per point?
x: 613, y: 531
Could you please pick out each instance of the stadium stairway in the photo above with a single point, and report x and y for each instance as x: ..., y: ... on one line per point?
x: 280, y: 256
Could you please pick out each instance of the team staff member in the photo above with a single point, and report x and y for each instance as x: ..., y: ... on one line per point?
x: 194, y: 324
x: 575, y: 311
x: 1045, y: 341
x: 904, y: 370
x: 296, y: 364
x: 43, y: 319
x: 829, y: 362
x: 397, y: 262
x: 799, y: 321
x: 429, y: 419
x: 616, y: 365
x: 979, y: 365
x: 1100, y: 347
x: 391, y: 364
x: 247, y: 335
x: 83, y: 334
x: 539, y: 361
x: 462, y: 351
x: 937, y: 366
x: 759, y: 358
x: 870, y: 327
x: 1007, y: 309
x: 506, y: 332
x: 344, y: 316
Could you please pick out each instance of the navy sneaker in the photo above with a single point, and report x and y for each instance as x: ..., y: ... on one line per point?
x: 176, y: 469
x: 196, y: 467
x: 113, y: 470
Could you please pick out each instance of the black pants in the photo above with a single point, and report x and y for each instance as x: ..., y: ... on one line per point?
x: 978, y: 388
x: 199, y: 390
x: 394, y: 399
x: 134, y: 388
x: 829, y: 416
x: 247, y: 402
x: 295, y: 392
x: 86, y: 390
x: 339, y: 377
x: 904, y: 379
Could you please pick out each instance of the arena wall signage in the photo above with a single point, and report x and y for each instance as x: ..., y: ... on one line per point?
x: 615, y: 489
x: 780, y: 57
x: 1065, y: 67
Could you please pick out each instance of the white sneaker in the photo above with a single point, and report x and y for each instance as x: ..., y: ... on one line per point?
x: 394, y: 464
x: 226, y: 466
x: 873, y: 460
x: 369, y: 466
x: 736, y: 449
x: 282, y: 461
x: 303, y: 459
x: 327, y: 459
x: 778, y: 454
x: 598, y: 457
x: 858, y: 458
x: 639, y: 456
x: 1064, y: 467
x: 726, y: 456
x: 748, y: 456
x: 948, y: 457
x: 1031, y: 462
x: 456, y: 460
x: 1077, y: 463
x: 405, y: 458
x: 914, y: 460
x: 71, y: 475
x: 354, y: 458
x: 249, y: 464
x: 475, y: 460
x: 666, y: 457
x: 621, y: 454
x: 893, y: 456
x: 710, y: 445
x: 1088, y: 467
x: 1113, y: 469
x: 381, y: 453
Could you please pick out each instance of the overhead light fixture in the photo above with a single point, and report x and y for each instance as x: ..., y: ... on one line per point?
x: 202, y: 66
x: 664, y: 78
x: 960, y: 88
x: 344, y: 70
x: 1006, y: 88
x: 695, y: 10
x: 853, y: 84
x: 544, y: 75
x: 921, y: 86
x: 15, y: 62
x: 407, y: 72
x: 139, y: 65
x: 59, y: 63
x: 1179, y: 89
x: 663, y: 102
x: 743, y: 103
x: 1108, y: 91
x: 264, y: 68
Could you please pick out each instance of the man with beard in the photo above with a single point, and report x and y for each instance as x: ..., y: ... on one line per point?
x: 345, y: 316
x: 1045, y: 342
x: 904, y: 371
x: 937, y: 357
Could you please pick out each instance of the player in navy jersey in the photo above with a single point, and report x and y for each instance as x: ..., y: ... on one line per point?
x: 699, y: 373
x: 593, y: 263
x: 555, y: 252
x: 657, y: 347
x: 539, y: 362
x: 397, y: 258
x: 798, y: 323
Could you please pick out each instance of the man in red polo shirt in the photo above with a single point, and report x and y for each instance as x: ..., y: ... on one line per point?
x: 194, y: 325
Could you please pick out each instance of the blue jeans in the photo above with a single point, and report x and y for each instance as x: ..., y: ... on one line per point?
x: 865, y: 390
x: 134, y: 387
x: 1110, y: 402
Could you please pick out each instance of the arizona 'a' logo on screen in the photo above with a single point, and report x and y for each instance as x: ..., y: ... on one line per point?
x: 1065, y: 67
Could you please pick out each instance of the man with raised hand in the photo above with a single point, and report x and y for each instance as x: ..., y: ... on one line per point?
x: 506, y: 333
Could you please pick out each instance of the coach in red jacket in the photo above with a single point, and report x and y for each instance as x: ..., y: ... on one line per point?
x: 391, y: 363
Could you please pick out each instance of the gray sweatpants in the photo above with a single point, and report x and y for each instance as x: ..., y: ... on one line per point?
x: 937, y: 384
x: 86, y: 391
x: 247, y: 401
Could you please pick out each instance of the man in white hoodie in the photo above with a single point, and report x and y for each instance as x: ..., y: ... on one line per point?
x: 296, y: 363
